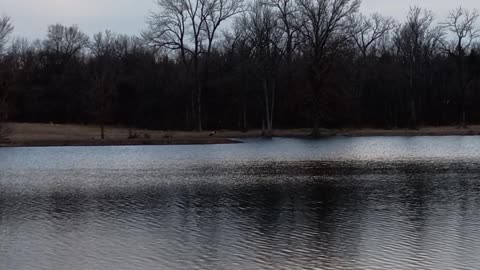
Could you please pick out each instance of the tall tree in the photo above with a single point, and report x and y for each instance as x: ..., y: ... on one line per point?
x: 62, y: 54
x: 323, y: 27
x: 216, y: 13
x: 239, y: 51
x: 185, y: 26
x: 6, y: 74
x: 6, y: 28
x: 367, y: 34
x: 264, y: 34
x: 417, y: 41
x: 104, y: 75
x: 286, y: 11
x: 462, y: 24
x: 366, y: 31
x: 65, y: 42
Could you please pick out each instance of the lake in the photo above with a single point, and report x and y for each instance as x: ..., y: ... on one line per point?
x: 339, y: 203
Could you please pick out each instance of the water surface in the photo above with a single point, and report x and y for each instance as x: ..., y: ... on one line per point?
x: 340, y: 203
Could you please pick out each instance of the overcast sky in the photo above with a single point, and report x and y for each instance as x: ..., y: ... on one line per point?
x: 31, y: 17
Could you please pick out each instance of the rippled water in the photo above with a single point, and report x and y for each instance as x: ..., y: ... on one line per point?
x: 343, y: 203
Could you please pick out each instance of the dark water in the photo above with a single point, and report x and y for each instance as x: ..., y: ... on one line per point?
x: 345, y: 203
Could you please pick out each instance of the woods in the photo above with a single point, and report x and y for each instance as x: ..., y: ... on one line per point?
x: 225, y: 64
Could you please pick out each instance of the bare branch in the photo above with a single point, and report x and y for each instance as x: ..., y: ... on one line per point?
x: 462, y: 23
x: 365, y: 31
x: 324, y: 24
x: 66, y: 40
x: 6, y: 28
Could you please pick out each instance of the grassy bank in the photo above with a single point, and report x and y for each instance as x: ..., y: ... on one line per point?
x: 24, y: 134
x: 79, y: 135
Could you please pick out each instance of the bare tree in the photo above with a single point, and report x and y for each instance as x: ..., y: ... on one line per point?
x: 462, y: 23
x: 125, y: 45
x: 368, y: 34
x: 238, y: 45
x: 186, y: 26
x: 65, y: 41
x: 6, y: 79
x: 178, y: 26
x: 286, y: 11
x: 216, y: 13
x: 169, y: 28
x: 102, y: 48
x: 366, y: 31
x: 323, y: 28
x: 264, y: 35
x: 6, y: 28
x: 417, y: 40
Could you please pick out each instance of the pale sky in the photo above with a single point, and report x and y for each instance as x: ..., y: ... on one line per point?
x: 31, y: 17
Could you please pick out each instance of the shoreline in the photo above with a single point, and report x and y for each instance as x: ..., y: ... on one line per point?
x: 110, y: 142
x: 52, y: 135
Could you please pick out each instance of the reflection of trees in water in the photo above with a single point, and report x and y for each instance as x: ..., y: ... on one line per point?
x: 320, y: 214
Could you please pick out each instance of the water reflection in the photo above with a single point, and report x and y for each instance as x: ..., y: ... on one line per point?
x: 245, y: 213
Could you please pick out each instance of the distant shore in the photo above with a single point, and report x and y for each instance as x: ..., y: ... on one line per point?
x: 31, y: 135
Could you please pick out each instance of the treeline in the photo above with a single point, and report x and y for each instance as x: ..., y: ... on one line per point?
x: 229, y: 64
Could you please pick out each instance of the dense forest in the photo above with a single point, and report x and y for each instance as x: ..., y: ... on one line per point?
x: 230, y: 64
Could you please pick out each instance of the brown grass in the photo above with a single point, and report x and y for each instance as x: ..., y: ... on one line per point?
x: 23, y: 134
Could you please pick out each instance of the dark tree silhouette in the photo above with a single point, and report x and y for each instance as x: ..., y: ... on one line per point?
x: 104, y: 72
x: 186, y: 26
x: 263, y: 33
x: 6, y: 75
x: 462, y: 24
x: 323, y: 26
x: 276, y: 64
x: 417, y: 40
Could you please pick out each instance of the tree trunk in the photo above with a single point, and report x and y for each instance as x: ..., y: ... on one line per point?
x: 102, y: 131
x: 244, y: 116
x: 413, y: 115
x: 199, y: 110
x: 193, y: 111
x: 462, y: 85
x: 316, y: 129
x: 268, y: 106
x: 463, y: 123
x: 197, y: 97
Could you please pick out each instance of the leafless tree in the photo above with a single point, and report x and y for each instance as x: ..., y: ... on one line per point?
x: 369, y: 35
x: 418, y: 37
x: 6, y: 28
x: 124, y: 45
x: 186, y: 26
x: 262, y: 28
x: 323, y: 28
x: 237, y: 43
x: 178, y: 26
x: 416, y: 41
x: 102, y: 44
x: 286, y: 12
x: 65, y: 41
x: 366, y: 31
x: 216, y: 13
x: 102, y: 48
x: 462, y: 23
